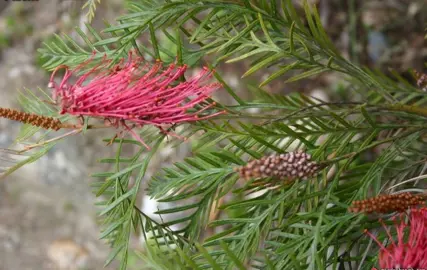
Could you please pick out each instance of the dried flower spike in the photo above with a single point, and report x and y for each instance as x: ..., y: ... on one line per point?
x: 137, y: 93
x: 32, y: 119
x: 387, y: 203
x: 408, y: 252
x: 287, y: 166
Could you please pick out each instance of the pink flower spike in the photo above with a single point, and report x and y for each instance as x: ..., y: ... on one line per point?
x: 136, y: 92
x: 407, y: 252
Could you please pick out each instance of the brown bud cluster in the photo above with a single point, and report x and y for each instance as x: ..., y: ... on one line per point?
x: 287, y: 166
x: 421, y: 80
x: 32, y: 119
x: 387, y: 203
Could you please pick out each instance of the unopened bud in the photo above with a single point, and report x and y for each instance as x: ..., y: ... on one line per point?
x: 287, y: 166
x: 387, y: 203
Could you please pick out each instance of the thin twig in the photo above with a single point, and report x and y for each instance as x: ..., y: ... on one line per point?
x: 26, y: 148
x: 409, y: 180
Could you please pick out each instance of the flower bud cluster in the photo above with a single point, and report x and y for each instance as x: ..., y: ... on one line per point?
x: 287, y: 166
x: 387, y: 203
x: 32, y: 119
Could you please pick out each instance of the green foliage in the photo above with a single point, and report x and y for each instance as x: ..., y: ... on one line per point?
x: 91, y: 6
x: 365, y: 145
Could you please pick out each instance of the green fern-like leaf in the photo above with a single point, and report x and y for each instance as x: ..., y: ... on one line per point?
x: 91, y: 6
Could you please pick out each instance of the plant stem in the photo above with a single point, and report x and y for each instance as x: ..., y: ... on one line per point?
x: 407, y: 108
x: 26, y: 148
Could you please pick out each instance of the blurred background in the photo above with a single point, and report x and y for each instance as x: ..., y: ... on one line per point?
x: 47, y: 213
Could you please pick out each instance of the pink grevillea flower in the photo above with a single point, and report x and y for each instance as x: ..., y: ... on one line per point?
x: 136, y: 92
x: 410, y: 250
